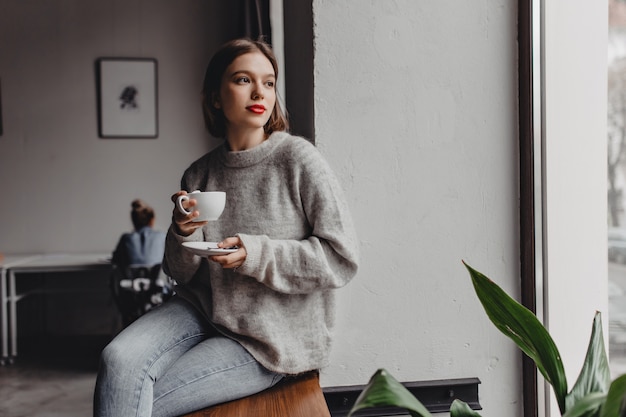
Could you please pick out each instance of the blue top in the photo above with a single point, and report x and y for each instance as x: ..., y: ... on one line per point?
x: 145, y: 246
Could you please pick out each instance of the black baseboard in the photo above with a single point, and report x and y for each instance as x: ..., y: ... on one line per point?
x: 437, y: 396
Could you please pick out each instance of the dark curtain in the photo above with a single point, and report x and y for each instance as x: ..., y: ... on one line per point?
x: 255, y: 20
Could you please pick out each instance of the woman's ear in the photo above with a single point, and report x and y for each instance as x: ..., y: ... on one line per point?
x: 215, y: 101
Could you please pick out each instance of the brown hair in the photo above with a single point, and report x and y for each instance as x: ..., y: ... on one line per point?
x: 214, y: 118
x: 141, y: 214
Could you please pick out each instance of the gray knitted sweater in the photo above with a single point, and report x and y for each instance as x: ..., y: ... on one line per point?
x: 286, y: 205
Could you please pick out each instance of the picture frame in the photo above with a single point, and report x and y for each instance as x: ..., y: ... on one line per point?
x: 127, y: 97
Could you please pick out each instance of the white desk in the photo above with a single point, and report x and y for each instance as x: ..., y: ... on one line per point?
x: 13, y: 265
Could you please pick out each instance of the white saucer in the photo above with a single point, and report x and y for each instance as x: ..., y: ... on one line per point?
x: 206, y: 248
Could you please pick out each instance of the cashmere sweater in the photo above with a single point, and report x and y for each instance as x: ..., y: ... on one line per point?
x: 287, y: 207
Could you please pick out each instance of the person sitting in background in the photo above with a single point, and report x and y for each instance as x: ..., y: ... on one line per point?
x: 137, y: 283
x: 144, y: 245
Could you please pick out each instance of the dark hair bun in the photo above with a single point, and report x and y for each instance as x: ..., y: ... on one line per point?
x: 138, y: 204
x: 141, y: 214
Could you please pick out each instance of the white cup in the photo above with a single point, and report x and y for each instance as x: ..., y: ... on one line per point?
x: 210, y: 204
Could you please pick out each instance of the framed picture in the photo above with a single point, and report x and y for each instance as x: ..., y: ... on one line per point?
x: 127, y: 97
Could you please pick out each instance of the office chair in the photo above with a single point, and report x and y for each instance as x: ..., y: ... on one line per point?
x: 138, y: 288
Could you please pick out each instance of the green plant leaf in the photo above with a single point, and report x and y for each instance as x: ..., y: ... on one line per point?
x: 587, y: 406
x: 384, y: 390
x: 521, y: 325
x: 595, y: 375
x: 615, y: 405
x: 459, y: 408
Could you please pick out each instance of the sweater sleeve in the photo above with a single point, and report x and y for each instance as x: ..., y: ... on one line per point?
x: 328, y: 257
x: 179, y: 263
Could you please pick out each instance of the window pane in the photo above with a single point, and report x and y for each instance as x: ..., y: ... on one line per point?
x: 616, y: 148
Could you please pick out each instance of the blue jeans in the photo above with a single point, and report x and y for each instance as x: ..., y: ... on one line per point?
x: 170, y: 362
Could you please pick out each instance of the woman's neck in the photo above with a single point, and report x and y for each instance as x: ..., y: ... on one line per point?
x: 240, y: 140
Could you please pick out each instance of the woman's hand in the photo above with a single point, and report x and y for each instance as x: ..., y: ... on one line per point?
x: 231, y: 260
x: 184, y: 223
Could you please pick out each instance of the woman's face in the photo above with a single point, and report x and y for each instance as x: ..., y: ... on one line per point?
x: 247, y: 93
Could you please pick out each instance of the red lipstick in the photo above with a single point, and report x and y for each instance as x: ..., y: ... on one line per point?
x: 256, y: 108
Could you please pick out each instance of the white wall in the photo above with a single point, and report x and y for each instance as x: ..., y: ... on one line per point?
x: 67, y: 190
x: 416, y: 108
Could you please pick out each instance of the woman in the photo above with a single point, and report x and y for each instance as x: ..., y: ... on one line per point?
x: 143, y: 248
x: 144, y: 245
x: 240, y: 322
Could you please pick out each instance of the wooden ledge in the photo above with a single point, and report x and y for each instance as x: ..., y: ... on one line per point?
x: 291, y: 397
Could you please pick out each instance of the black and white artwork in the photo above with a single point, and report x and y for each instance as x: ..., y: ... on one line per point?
x: 127, y: 97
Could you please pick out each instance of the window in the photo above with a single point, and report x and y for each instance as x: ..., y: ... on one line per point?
x: 616, y: 184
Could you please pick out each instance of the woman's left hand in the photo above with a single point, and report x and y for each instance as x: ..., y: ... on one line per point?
x: 231, y: 260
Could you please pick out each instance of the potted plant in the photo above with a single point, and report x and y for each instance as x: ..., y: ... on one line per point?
x: 593, y: 394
